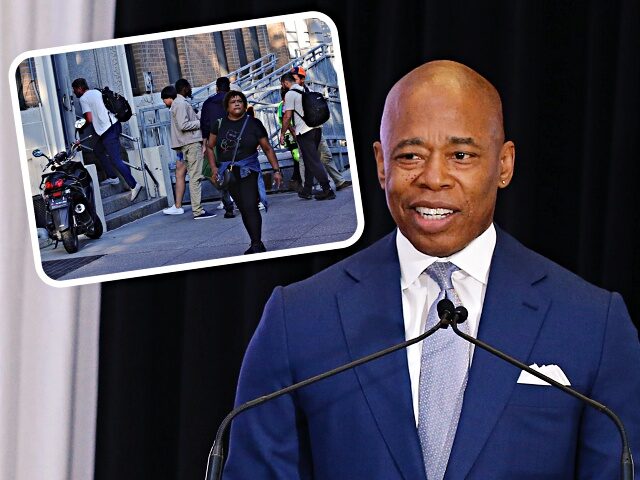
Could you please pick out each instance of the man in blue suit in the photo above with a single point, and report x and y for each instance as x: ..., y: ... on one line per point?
x: 441, y: 159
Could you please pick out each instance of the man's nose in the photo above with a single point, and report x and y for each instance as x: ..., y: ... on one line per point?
x: 435, y: 173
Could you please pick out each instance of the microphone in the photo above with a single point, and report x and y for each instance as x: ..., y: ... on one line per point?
x: 456, y: 315
x: 216, y: 455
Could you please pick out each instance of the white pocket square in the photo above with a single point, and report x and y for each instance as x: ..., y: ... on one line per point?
x: 552, y: 371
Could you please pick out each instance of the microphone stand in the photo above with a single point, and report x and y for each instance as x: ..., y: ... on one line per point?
x: 460, y: 314
x: 216, y: 455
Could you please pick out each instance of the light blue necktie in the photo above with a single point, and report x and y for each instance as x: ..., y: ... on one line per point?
x: 443, y: 378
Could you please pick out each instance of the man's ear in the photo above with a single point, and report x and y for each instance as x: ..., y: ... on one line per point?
x: 377, y: 151
x: 507, y: 163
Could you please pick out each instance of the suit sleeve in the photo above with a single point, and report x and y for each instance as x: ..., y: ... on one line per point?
x: 617, y: 385
x: 268, y: 442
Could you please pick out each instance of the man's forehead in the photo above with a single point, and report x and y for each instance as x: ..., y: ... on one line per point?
x: 443, y: 88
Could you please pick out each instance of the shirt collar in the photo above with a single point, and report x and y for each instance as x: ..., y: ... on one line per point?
x: 474, y: 259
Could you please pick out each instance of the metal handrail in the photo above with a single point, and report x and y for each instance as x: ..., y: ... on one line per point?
x: 264, y: 94
x: 266, y: 62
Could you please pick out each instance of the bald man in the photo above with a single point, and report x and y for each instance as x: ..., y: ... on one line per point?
x: 439, y: 409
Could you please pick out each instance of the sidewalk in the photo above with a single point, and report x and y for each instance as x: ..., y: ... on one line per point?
x: 159, y: 240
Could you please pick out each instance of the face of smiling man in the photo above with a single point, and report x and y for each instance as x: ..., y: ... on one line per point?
x: 442, y: 156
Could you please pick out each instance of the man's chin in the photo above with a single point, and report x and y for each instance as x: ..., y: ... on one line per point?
x: 439, y: 245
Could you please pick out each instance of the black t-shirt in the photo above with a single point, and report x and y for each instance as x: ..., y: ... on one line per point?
x: 228, y: 136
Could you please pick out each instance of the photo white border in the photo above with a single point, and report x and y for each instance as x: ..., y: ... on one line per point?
x: 205, y: 263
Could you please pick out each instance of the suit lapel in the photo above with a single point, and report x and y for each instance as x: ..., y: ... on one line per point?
x: 371, y: 315
x: 512, y: 315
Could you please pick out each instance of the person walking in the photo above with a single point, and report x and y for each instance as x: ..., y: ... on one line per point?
x: 326, y: 157
x: 234, y: 139
x: 308, y: 139
x: 108, y: 129
x: 185, y: 138
x: 212, y: 110
x: 290, y: 144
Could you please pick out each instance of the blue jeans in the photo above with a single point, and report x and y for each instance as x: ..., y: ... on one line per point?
x: 108, y: 150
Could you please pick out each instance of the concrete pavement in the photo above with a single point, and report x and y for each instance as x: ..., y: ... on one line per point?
x: 160, y: 240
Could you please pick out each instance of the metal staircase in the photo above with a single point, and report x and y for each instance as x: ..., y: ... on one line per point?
x: 118, y: 208
x: 260, y: 82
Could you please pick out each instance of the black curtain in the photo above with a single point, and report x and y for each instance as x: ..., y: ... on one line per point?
x: 568, y: 71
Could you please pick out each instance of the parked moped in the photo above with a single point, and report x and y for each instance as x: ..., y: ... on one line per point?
x: 67, y: 191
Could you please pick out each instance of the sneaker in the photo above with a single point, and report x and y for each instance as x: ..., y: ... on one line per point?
x: 345, y: 184
x: 305, y: 195
x: 220, y: 206
x: 173, y: 210
x: 229, y: 214
x: 204, y: 214
x: 135, y: 191
x: 110, y: 181
x: 260, y: 206
x: 325, y: 195
x: 256, y: 248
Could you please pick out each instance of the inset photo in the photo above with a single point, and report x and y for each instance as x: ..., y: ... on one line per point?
x: 186, y: 149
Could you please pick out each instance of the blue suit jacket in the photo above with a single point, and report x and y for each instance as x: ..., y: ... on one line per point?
x: 360, y: 423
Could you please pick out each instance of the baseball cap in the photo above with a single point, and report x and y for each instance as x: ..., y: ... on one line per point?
x: 299, y: 71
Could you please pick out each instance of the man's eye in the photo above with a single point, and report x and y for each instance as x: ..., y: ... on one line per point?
x: 462, y: 155
x: 408, y: 156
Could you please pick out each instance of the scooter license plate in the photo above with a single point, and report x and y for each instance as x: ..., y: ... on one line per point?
x: 55, y: 203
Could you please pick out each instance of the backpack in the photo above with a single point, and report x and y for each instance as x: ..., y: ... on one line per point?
x: 315, y: 108
x: 116, y: 104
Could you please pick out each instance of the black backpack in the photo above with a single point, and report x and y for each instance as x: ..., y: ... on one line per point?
x: 116, y: 104
x: 314, y: 106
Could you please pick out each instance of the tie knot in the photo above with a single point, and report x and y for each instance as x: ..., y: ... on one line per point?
x: 441, y: 273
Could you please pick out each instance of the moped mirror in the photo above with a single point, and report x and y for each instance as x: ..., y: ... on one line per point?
x: 80, y: 123
x: 37, y: 153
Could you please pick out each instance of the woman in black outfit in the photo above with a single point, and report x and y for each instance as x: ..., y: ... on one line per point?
x: 240, y: 134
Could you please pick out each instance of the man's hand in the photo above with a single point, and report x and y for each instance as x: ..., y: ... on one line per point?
x: 277, y: 179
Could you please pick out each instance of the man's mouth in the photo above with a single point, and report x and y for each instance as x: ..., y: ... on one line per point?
x: 434, y: 213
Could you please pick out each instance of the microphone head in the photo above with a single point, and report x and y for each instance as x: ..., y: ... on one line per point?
x: 461, y: 314
x: 445, y: 309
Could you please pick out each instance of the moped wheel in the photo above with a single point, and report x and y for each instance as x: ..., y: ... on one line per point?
x: 70, y: 240
x: 96, y: 230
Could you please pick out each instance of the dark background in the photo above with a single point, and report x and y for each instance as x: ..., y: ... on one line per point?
x: 171, y: 345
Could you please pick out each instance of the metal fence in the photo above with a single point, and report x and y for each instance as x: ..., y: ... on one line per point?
x: 260, y: 82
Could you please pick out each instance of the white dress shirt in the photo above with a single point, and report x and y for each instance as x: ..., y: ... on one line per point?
x: 419, y: 291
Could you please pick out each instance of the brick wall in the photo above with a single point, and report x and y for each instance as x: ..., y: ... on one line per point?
x: 149, y: 57
x: 263, y: 40
x: 231, y: 49
x: 277, y: 36
x: 197, y: 57
x: 28, y: 88
x: 246, y: 38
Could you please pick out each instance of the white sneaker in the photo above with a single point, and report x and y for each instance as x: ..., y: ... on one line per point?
x: 260, y: 206
x: 110, y: 181
x: 220, y: 207
x: 173, y: 210
x: 135, y: 191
